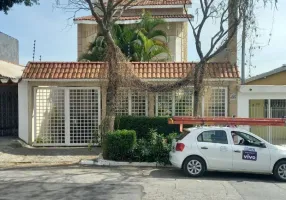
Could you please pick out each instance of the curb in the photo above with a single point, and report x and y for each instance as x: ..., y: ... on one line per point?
x: 110, y: 163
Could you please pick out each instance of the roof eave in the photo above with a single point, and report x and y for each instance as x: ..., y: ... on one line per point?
x: 266, y: 74
x: 160, y: 6
x: 143, y: 79
x: 131, y: 21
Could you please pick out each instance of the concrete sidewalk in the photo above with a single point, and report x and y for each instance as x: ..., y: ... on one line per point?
x: 14, y: 152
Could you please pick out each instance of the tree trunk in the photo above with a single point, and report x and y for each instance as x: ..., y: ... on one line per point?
x: 113, y: 61
x: 198, y: 86
x: 113, y: 82
x: 196, y: 101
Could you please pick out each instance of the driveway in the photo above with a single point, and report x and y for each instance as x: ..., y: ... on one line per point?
x: 78, y: 182
x: 15, y: 152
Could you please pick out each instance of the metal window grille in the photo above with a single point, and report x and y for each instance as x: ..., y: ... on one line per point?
x: 164, y: 104
x: 131, y: 103
x: 277, y: 108
x: 138, y: 103
x: 179, y: 103
x: 184, y: 102
x: 216, y: 103
x: 83, y: 115
x: 49, y: 116
x: 122, y: 102
x: 66, y: 116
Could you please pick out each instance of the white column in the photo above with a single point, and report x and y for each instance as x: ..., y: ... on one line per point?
x: 243, y: 107
x: 67, y: 116
x: 23, y: 111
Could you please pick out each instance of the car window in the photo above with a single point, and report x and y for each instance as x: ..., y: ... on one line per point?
x: 241, y: 138
x: 182, y: 135
x: 215, y: 136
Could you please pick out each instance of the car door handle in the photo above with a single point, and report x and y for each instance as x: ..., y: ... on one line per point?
x: 204, y: 148
x: 237, y: 151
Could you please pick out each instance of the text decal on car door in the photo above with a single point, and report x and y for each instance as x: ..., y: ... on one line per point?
x: 249, y: 155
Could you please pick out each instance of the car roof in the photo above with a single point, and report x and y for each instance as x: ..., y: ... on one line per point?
x: 206, y: 128
x: 213, y: 127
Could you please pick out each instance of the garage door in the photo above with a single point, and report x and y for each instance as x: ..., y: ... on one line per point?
x: 66, y: 116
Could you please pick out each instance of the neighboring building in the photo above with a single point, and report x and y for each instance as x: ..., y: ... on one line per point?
x: 62, y: 103
x: 264, y: 96
x: 10, y: 74
x: 9, y: 48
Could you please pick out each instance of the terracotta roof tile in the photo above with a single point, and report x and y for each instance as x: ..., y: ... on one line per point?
x: 125, y: 18
x: 97, y: 70
x: 157, y: 2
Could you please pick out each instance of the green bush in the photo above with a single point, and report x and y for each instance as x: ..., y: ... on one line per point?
x: 143, y: 125
x: 119, y: 145
x: 154, y: 149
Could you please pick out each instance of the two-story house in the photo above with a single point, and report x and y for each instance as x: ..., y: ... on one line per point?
x: 63, y: 103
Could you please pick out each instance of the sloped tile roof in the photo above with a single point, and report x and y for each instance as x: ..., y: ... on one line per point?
x: 125, y: 18
x: 144, y: 70
x: 158, y: 2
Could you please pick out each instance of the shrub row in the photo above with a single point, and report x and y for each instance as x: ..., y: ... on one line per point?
x: 119, y: 145
x: 122, y: 145
x: 143, y: 125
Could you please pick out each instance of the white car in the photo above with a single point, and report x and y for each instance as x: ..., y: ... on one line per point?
x: 226, y: 149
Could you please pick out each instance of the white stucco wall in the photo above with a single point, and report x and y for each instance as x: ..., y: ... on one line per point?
x: 23, y: 100
x: 249, y: 92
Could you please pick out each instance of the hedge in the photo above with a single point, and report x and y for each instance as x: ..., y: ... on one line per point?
x: 119, y: 145
x: 142, y: 125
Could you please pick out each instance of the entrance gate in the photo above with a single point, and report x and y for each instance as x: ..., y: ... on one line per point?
x: 8, y: 110
x: 66, y: 116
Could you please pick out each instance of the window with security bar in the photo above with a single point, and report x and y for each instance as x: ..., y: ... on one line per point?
x: 130, y: 102
x: 83, y: 115
x: 215, y: 101
x: 49, y: 116
x: 178, y: 103
x: 122, y: 107
x: 164, y: 104
x: 184, y: 102
x: 138, y: 103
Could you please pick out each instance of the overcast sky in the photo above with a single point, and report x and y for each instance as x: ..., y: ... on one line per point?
x: 57, y: 41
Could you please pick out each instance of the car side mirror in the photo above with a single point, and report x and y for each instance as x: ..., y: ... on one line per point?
x: 262, y: 145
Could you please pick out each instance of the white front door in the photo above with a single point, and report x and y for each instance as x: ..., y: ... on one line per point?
x: 248, y: 156
x: 214, y: 146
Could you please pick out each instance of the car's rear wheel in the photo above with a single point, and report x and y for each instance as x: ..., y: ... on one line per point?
x: 280, y: 170
x: 194, y: 166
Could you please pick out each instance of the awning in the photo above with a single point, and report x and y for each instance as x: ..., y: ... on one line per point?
x: 9, y: 72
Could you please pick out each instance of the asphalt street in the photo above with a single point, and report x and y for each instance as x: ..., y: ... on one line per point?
x: 79, y: 182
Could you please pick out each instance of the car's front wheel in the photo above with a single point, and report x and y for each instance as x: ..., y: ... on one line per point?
x: 194, y: 166
x: 280, y: 170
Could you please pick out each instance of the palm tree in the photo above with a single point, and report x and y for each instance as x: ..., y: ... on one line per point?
x: 141, y: 42
x: 96, y: 50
